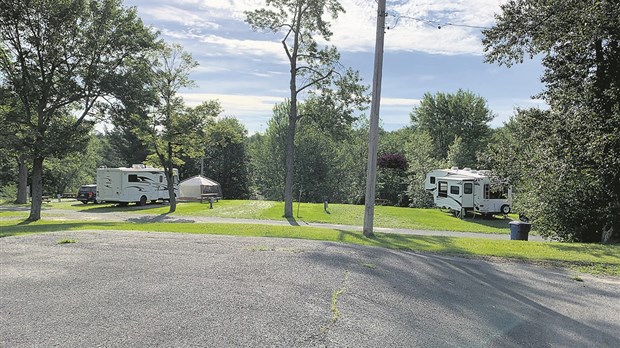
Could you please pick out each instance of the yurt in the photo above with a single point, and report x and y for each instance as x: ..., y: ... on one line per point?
x: 191, y: 189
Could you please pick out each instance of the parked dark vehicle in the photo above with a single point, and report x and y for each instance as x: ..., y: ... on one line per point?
x: 88, y: 193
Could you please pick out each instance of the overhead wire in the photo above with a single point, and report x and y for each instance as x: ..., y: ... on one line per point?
x: 437, y: 24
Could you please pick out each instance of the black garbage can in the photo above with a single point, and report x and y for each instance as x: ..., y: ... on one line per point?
x: 519, y: 230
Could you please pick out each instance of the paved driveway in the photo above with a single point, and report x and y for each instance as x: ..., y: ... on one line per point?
x: 117, y: 289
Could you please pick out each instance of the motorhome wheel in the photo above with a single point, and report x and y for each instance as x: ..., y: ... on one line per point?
x: 142, y: 201
x: 505, y: 209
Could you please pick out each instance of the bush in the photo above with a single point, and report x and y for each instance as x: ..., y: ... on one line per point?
x: 8, y: 192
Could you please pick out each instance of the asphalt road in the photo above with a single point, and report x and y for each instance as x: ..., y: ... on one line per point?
x: 120, y: 289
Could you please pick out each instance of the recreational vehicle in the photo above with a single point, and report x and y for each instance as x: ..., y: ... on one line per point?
x: 138, y: 184
x: 466, y: 190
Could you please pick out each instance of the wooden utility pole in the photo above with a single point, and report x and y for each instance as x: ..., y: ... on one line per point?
x: 371, y: 177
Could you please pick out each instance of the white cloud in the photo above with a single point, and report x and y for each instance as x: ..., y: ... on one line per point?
x: 414, y: 24
x: 240, y: 47
x: 399, y: 102
x: 233, y: 103
x: 254, y: 111
x: 180, y: 16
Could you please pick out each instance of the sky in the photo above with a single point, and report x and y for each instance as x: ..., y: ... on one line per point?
x: 430, y: 46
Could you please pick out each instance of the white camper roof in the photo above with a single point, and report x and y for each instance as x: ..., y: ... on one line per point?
x: 133, y: 168
x: 465, y: 173
x: 198, y: 181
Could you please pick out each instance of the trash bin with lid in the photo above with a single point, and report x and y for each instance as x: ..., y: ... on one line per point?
x: 519, y: 230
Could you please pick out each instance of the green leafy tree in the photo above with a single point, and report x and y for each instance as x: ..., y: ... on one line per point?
x: 445, y: 116
x: 67, y: 174
x: 457, y: 154
x: 351, y: 162
x: 13, y: 139
x: 392, y: 178
x: 301, y: 22
x: 328, y: 167
x: 267, y: 155
x: 226, y: 158
x: 60, y: 58
x: 580, y: 45
x: 420, y: 157
x: 173, y: 131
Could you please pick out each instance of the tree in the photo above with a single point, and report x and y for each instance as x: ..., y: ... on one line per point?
x: 420, y: 157
x: 226, y: 158
x: 267, y: 154
x: 68, y: 173
x: 301, y: 22
x: 13, y: 138
x: 457, y: 154
x: 580, y: 45
x: 446, y: 116
x: 60, y: 58
x: 172, y: 130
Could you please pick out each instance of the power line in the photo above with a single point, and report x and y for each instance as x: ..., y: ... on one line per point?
x: 437, y: 24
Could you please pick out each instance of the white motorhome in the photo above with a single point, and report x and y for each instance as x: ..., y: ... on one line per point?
x: 466, y: 190
x: 138, y: 184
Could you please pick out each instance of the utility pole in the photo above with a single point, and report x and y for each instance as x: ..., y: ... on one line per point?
x: 371, y: 177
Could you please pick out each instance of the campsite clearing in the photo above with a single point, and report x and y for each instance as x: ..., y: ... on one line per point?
x: 339, y: 214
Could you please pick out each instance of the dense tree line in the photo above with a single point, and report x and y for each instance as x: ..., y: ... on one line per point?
x: 568, y: 157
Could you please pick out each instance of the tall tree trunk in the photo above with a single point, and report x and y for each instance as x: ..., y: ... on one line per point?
x: 171, y: 194
x: 170, y: 176
x: 22, y: 182
x: 37, y: 189
x: 290, y: 153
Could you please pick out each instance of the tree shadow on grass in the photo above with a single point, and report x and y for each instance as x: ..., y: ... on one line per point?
x: 118, y: 208
x: 165, y: 217
x: 402, y: 242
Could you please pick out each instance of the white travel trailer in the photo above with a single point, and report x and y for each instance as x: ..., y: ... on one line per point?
x: 138, y: 184
x: 466, y: 190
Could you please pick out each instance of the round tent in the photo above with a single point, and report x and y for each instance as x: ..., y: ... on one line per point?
x: 194, y: 187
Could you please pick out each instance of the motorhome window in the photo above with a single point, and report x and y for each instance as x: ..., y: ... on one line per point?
x: 468, y: 188
x: 132, y: 177
x: 498, y: 192
x: 486, y: 191
x: 454, y: 190
x: 161, y: 178
x: 432, y: 179
x: 443, y: 189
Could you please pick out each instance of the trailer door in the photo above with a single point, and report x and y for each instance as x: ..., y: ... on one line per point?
x: 468, y: 194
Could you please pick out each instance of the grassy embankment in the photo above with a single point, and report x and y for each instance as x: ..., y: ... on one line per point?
x: 590, y: 258
x: 340, y: 214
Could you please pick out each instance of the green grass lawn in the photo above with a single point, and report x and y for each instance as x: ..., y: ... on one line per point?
x: 341, y: 214
x: 591, y: 258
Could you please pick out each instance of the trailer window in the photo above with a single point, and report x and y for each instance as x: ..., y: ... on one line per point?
x: 443, y: 189
x: 432, y: 179
x: 161, y: 178
x: 455, y: 190
x: 132, y: 178
x: 468, y: 188
x: 495, y: 192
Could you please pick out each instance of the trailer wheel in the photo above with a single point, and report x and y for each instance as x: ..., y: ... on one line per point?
x: 505, y: 209
x: 142, y: 202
